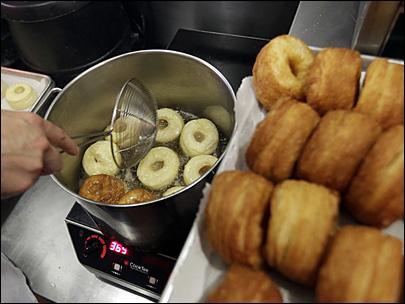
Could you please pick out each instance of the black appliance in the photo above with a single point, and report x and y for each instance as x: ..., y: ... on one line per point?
x: 64, y: 38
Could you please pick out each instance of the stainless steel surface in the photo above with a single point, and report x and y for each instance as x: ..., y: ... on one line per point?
x: 123, y: 283
x: 45, y: 97
x: 374, y: 25
x: 36, y: 239
x: 325, y: 23
x: 176, y: 80
x: 48, y: 84
x: 264, y: 19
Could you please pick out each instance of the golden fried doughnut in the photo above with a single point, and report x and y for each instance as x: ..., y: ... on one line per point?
x: 382, y: 95
x: 136, y: 196
x: 333, y: 80
x: 337, y: 147
x: 279, y: 139
x: 303, y: 217
x: 236, y: 208
x: 363, y: 265
x: 102, y: 188
x: 376, y: 194
x: 245, y: 285
x: 280, y: 70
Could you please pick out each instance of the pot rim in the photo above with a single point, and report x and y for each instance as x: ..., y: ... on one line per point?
x: 181, y: 54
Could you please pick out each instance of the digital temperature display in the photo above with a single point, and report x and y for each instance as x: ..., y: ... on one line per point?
x: 118, y: 248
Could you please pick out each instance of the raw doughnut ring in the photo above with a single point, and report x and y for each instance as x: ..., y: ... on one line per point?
x: 172, y: 190
x: 102, y: 188
x: 126, y: 131
x: 20, y: 96
x: 159, y: 168
x: 280, y: 70
x: 136, y: 196
x: 198, y: 166
x: 221, y: 117
x: 170, y: 124
x: 98, y: 159
x: 199, y: 136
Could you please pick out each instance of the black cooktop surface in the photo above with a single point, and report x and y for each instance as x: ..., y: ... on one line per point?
x: 172, y: 248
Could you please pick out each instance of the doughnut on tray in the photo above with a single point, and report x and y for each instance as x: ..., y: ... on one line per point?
x: 40, y: 84
x: 199, y: 269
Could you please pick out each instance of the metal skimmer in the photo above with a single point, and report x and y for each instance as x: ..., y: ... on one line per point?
x: 133, y: 125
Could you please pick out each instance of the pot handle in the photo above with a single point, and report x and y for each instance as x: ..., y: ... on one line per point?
x: 46, y: 100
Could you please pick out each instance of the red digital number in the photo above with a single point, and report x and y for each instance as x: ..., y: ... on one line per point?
x: 118, y: 248
x: 113, y: 245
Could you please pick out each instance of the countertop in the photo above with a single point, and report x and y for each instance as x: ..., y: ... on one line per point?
x: 36, y: 239
x: 34, y: 235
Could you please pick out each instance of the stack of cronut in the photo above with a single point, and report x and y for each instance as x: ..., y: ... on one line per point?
x: 323, y: 147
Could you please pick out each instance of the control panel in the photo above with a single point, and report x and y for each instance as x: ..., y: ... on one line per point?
x: 145, y: 271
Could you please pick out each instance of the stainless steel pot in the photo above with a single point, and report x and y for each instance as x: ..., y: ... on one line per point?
x: 176, y: 80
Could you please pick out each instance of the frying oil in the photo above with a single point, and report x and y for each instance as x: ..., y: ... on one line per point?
x: 131, y: 179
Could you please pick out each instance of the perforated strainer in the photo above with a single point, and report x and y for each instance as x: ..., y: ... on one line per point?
x: 133, y: 124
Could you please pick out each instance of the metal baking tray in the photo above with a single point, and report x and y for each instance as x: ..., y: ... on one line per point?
x: 42, y: 84
x: 184, y: 284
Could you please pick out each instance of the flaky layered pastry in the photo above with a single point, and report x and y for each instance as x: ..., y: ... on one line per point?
x: 336, y: 148
x: 382, y: 96
x: 245, y: 285
x: 279, y: 139
x: 376, y: 194
x: 234, y: 216
x: 280, y: 70
x: 363, y: 265
x: 303, y: 218
x: 333, y: 80
x: 136, y: 196
x: 102, y: 188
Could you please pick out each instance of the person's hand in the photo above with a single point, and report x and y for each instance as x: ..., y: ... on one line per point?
x: 29, y: 147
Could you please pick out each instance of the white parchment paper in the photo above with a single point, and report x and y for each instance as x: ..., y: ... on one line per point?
x: 199, y: 268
